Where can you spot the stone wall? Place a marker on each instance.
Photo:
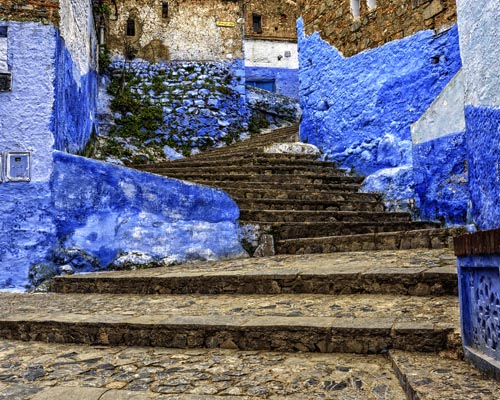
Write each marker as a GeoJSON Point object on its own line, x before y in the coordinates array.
{"type": "Point", "coordinates": [278, 19]}
{"type": "Point", "coordinates": [386, 21]}
{"type": "Point", "coordinates": [183, 30]}
{"type": "Point", "coordinates": [45, 11]}
{"type": "Point", "coordinates": [358, 110]}
{"type": "Point", "coordinates": [184, 106]}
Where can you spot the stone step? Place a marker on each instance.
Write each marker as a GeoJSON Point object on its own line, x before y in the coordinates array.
{"type": "Point", "coordinates": [282, 194]}
{"type": "Point", "coordinates": [320, 216]}
{"type": "Point", "coordinates": [345, 188]}
{"type": "Point", "coordinates": [367, 324]}
{"type": "Point", "coordinates": [294, 230]}
{"type": "Point", "coordinates": [248, 170]}
{"type": "Point", "coordinates": [238, 154]}
{"type": "Point", "coordinates": [271, 160]}
{"type": "Point", "coordinates": [275, 178]}
{"type": "Point", "coordinates": [425, 238]}
{"type": "Point", "coordinates": [51, 371]}
{"type": "Point", "coordinates": [258, 141]}
{"type": "Point", "coordinates": [414, 272]}
{"type": "Point", "coordinates": [308, 205]}
{"type": "Point", "coordinates": [436, 377]}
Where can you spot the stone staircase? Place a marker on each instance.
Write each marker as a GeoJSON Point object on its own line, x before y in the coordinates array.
{"type": "Point", "coordinates": [364, 325]}
{"type": "Point", "coordinates": [308, 206]}
{"type": "Point", "coordinates": [371, 324]}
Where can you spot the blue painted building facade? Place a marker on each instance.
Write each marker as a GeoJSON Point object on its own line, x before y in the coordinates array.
{"type": "Point", "coordinates": [359, 110]}
{"type": "Point", "coordinates": [76, 211]}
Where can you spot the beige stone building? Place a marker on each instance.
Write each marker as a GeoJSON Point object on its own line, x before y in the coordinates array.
{"type": "Point", "coordinates": [181, 30]}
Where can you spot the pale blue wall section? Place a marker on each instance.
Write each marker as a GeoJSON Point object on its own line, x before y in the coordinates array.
{"type": "Point", "coordinates": [483, 154]}
{"type": "Point", "coordinates": [27, 228]}
{"type": "Point", "coordinates": [76, 102]}
{"type": "Point", "coordinates": [440, 175]}
{"type": "Point", "coordinates": [286, 80]}
{"type": "Point", "coordinates": [358, 110]}
{"type": "Point", "coordinates": [106, 210]}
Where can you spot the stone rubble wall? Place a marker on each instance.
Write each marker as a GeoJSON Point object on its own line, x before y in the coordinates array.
{"type": "Point", "coordinates": [387, 21]}
{"type": "Point", "coordinates": [197, 104]}
{"type": "Point", "coordinates": [45, 11]}
{"type": "Point", "coordinates": [278, 19]}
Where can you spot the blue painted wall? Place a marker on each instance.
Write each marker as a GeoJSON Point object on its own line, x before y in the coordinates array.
{"type": "Point", "coordinates": [286, 80]}
{"type": "Point", "coordinates": [483, 154]}
{"type": "Point", "coordinates": [76, 102]}
{"type": "Point", "coordinates": [107, 210]}
{"type": "Point", "coordinates": [358, 110]}
{"type": "Point", "coordinates": [26, 225]}
{"type": "Point", "coordinates": [440, 176]}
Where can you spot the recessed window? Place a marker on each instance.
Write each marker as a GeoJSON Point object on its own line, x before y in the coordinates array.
{"type": "Point", "coordinates": [355, 8]}
{"type": "Point", "coordinates": [257, 23]}
{"type": "Point", "coordinates": [164, 10]}
{"type": "Point", "coordinates": [130, 27]}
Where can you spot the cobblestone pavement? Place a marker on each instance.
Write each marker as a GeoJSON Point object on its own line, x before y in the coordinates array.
{"type": "Point", "coordinates": [43, 371]}
{"type": "Point", "coordinates": [355, 261]}
{"type": "Point", "coordinates": [439, 310]}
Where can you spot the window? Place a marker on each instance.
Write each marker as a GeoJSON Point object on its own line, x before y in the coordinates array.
{"type": "Point", "coordinates": [130, 27]}
{"type": "Point", "coordinates": [164, 10]}
{"type": "Point", "coordinates": [257, 23]}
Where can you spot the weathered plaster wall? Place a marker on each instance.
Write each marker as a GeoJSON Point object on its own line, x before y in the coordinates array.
{"type": "Point", "coordinates": [440, 175]}
{"type": "Point", "coordinates": [358, 110]}
{"type": "Point", "coordinates": [26, 112]}
{"type": "Point", "coordinates": [76, 82]}
{"type": "Point", "coordinates": [278, 19]}
{"type": "Point", "coordinates": [108, 211]}
{"type": "Point", "coordinates": [478, 25]}
{"type": "Point", "coordinates": [273, 60]}
{"type": "Point", "coordinates": [352, 32]}
{"type": "Point", "coordinates": [189, 33]}
{"type": "Point", "coordinates": [440, 157]}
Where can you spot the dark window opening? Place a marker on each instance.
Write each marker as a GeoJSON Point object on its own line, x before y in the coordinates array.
{"type": "Point", "coordinates": [257, 23]}
{"type": "Point", "coordinates": [266, 84]}
{"type": "Point", "coordinates": [164, 10]}
{"type": "Point", "coordinates": [130, 27]}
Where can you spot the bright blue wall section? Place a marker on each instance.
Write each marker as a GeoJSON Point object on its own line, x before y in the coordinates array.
{"type": "Point", "coordinates": [75, 105]}
{"type": "Point", "coordinates": [358, 110]}
{"type": "Point", "coordinates": [27, 230]}
{"type": "Point", "coordinates": [440, 176]}
{"type": "Point", "coordinates": [483, 154]}
{"type": "Point", "coordinates": [287, 80]}
{"type": "Point", "coordinates": [106, 210]}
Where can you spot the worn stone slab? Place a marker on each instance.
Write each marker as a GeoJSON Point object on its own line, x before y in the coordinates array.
{"type": "Point", "coordinates": [431, 377]}
{"type": "Point", "coordinates": [402, 272]}
{"type": "Point", "coordinates": [194, 374]}
{"type": "Point", "coordinates": [284, 322]}
{"type": "Point", "coordinates": [425, 238]}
